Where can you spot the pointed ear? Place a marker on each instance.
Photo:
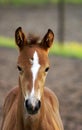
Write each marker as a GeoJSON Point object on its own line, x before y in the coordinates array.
{"type": "Point", "coordinates": [47, 40]}
{"type": "Point", "coordinates": [20, 37]}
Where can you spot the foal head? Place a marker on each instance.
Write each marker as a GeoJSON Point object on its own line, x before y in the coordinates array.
{"type": "Point", "coordinates": [33, 65]}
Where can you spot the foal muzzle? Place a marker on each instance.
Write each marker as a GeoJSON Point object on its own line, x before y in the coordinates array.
{"type": "Point", "coordinates": [32, 105]}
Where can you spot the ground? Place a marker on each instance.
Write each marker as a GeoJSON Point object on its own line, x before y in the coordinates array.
{"type": "Point", "coordinates": [65, 74]}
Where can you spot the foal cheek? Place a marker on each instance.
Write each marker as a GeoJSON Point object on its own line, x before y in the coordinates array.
{"type": "Point", "coordinates": [24, 84]}
{"type": "Point", "coordinates": [41, 83]}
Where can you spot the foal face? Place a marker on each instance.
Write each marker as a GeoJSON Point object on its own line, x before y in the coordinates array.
{"type": "Point", "coordinates": [33, 65]}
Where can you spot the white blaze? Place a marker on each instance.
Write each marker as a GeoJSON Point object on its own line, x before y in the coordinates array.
{"type": "Point", "coordinates": [35, 67]}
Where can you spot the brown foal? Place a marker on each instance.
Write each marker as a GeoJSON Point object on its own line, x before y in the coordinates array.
{"type": "Point", "coordinates": [30, 105]}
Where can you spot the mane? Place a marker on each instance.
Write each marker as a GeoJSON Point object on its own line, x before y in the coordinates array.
{"type": "Point", "coordinates": [33, 39]}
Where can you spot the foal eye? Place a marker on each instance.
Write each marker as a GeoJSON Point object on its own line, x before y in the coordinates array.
{"type": "Point", "coordinates": [46, 70]}
{"type": "Point", "coordinates": [19, 68]}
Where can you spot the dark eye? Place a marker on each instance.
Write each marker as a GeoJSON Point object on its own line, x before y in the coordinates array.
{"type": "Point", "coordinates": [46, 70]}
{"type": "Point", "coordinates": [19, 68]}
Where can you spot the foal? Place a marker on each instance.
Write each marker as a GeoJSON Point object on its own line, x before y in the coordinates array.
{"type": "Point", "coordinates": [30, 105]}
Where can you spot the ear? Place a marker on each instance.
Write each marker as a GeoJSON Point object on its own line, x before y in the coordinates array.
{"type": "Point", "coordinates": [20, 37]}
{"type": "Point", "coordinates": [47, 40]}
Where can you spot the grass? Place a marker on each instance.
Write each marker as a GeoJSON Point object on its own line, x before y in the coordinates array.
{"type": "Point", "coordinates": [7, 42]}
{"type": "Point", "coordinates": [71, 50]}
{"type": "Point", "coordinates": [37, 2]}
{"type": "Point", "coordinates": [23, 2]}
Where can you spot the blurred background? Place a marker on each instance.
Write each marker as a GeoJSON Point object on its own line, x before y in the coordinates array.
{"type": "Point", "coordinates": [64, 17]}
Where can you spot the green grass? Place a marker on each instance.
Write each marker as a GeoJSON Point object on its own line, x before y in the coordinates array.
{"type": "Point", "coordinates": [37, 2]}
{"type": "Point", "coordinates": [23, 2]}
{"type": "Point", "coordinates": [7, 42]}
{"type": "Point", "coordinates": [72, 49]}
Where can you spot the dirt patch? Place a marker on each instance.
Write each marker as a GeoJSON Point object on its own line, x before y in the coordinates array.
{"type": "Point", "coordinates": [64, 78]}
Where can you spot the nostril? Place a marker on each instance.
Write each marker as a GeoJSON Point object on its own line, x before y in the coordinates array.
{"type": "Point", "coordinates": [28, 105]}
{"type": "Point", "coordinates": [32, 107]}
{"type": "Point", "coordinates": [39, 103]}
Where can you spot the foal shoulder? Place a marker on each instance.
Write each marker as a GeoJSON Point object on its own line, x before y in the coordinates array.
{"type": "Point", "coordinates": [52, 110]}
{"type": "Point", "coordinates": [51, 97]}
{"type": "Point", "coordinates": [9, 100]}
